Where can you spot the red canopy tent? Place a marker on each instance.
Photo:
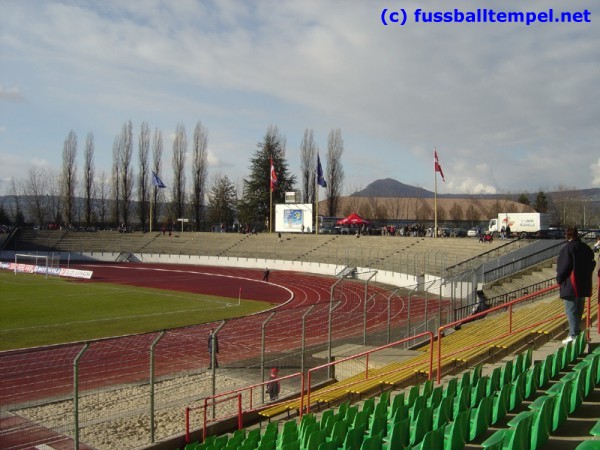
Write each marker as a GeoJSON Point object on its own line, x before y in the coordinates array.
{"type": "Point", "coordinates": [353, 219]}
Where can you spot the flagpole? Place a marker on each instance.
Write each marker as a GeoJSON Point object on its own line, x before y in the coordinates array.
{"type": "Point", "coordinates": [317, 205]}
{"type": "Point", "coordinates": [434, 200]}
{"type": "Point", "coordinates": [270, 209]}
{"type": "Point", "coordinates": [151, 205]}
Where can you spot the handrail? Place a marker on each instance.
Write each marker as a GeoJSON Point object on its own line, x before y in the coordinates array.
{"type": "Point", "coordinates": [503, 298]}
{"type": "Point", "coordinates": [498, 272]}
{"type": "Point", "coordinates": [307, 388]}
{"type": "Point", "coordinates": [510, 324]}
{"type": "Point", "coordinates": [475, 259]}
{"type": "Point", "coordinates": [232, 394]}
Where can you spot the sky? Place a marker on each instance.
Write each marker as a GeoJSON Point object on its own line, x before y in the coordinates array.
{"type": "Point", "coordinates": [509, 107]}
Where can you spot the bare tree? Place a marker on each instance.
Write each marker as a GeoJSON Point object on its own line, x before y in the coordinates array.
{"type": "Point", "coordinates": [335, 170]}
{"type": "Point", "coordinates": [126, 172]}
{"type": "Point", "coordinates": [144, 176]}
{"type": "Point", "coordinates": [179, 152]}
{"type": "Point", "coordinates": [157, 149]}
{"type": "Point", "coordinates": [69, 175]}
{"type": "Point", "coordinates": [15, 206]}
{"type": "Point", "coordinates": [102, 190]}
{"type": "Point", "coordinates": [456, 212]}
{"type": "Point", "coordinates": [199, 172]}
{"type": "Point", "coordinates": [36, 193]}
{"type": "Point", "coordinates": [115, 181]}
{"type": "Point", "coordinates": [308, 166]}
{"type": "Point", "coordinates": [54, 198]}
{"type": "Point", "coordinates": [88, 177]}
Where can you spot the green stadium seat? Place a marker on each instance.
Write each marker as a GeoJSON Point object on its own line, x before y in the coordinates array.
{"type": "Point", "coordinates": [516, 438]}
{"type": "Point", "coordinates": [532, 380]}
{"type": "Point", "coordinates": [461, 400]}
{"type": "Point", "coordinates": [442, 414]}
{"type": "Point", "coordinates": [399, 437]}
{"type": "Point", "coordinates": [413, 393]}
{"type": "Point", "coordinates": [594, 359]}
{"type": "Point", "coordinates": [374, 442]}
{"type": "Point", "coordinates": [479, 391]}
{"type": "Point", "coordinates": [421, 425]}
{"type": "Point", "coordinates": [378, 426]}
{"type": "Point", "coordinates": [426, 388]}
{"type": "Point", "coordinates": [396, 402]}
{"type": "Point", "coordinates": [517, 366]}
{"type": "Point", "coordinates": [328, 445]}
{"type": "Point", "coordinates": [480, 418]}
{"type": "Point", "coordinates": [506, 375]}
{"type": "Point", "coordinates": [338, 433]}
{"type": "Point", "coordinates": [457, 432]}
{"type": "Point", "coordinates": [436, 396]}
{"type": "Point", "coordinates": [451, 387]}
{"type": "Point", "coordinates": [595, 430]}
{"type": "Point", "coordinates": [315, 439]}
{"type": "Point", "coordinates": [501, 404]}
{"type": "Point", "coordinates": [494, 381]}
{"type": "Point", "coordinates": [517, 392]}
{"type": "Point", "coordinates": [579, 378]}
{"type": "Point", "coordinates": [588, 445]}
{"type": "Point", "coordinates": [541, 425]}
{"type": "Point", "coordinates": [562, 391]}
{"type": "Point", "coordinates": [545, 371]}
{"type": "Point", "coordinates": [590, 376]}
{"type": "Point", "coordinates": [433, 440]}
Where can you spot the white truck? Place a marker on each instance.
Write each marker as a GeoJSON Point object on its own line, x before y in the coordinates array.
{"type": "Point", "coordinates": [521, 224]}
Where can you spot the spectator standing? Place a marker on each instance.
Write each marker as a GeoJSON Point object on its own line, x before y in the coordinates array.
{"type": "Point", "coordinates": [273, 387]}
{"type": "Point", "coordinates": [574, 269]}
{"type": "Point", "coordinates": [266, 274]}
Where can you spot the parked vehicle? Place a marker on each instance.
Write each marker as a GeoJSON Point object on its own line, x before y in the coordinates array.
{"type": "Point", "coordinates": [521, 224]}
{"type": "Point", "coordinates": [472, 232]}
{"type": "Point", "coordinates": [458, 232]}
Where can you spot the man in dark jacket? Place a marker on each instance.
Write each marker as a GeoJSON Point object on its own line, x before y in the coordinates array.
{"type": "Point", "coordinates": [574, 270]}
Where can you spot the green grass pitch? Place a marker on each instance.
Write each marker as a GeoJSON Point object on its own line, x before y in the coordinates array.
{"type": "Point", "coordinates": [35, 310]}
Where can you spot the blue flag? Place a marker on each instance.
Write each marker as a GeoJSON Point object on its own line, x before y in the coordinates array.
{"type": "Point", "coordinates": [157, 182]}
{"type": "Point", "coordinates": [320, 179]}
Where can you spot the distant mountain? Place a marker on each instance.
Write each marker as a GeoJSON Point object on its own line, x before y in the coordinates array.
{"type": "Point", "coordinates": [393, 188]}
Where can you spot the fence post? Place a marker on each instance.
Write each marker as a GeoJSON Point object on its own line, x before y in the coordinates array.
{"type": "Point", "coordinates": [389, 315]}
{"type": "Point", "coordinates": [410, 294]}
{"type": "Point", "coordinates": [303, 338]}
{"type": "Point", "coordinates": [262, 353]}
{"type": "Point", "coordinates": [213, 365]}
{"type": "Point", "coordinates": [365, 307]}
{"type": "Point", "coordinates": [152, 347]}
{"type": "Point", "coordinates": [76, 393]}
{"type": "Point", "coordinates": [329, 326]}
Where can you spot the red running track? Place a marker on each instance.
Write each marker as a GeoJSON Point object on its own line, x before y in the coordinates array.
{"type": "Point", "coordinates": [39, 374]}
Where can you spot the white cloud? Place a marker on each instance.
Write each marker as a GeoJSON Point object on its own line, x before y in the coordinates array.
{"type": "Point", "coordinates": [595, 169]}
{"type": "Point", "coordinates": [509, 107]}
{"type": "Point", "coordinates": [12, 94]}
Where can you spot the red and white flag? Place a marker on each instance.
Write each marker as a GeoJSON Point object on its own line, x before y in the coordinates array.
{"type": "Point", "coordinates": [438, 167]}
{"type": "Point", "coordinates": [273, 176]}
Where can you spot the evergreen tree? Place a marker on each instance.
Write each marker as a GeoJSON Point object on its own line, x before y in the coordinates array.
{"type": "Point", "coordinates": [4, 219]}
{"type": "Point", "coordinates": [524, 199]}
{"type": "Point", "coordinates": [254, 206]}
{"type": "Point", "coordinates": [541, 203]}
{"type": "Point", "coordinates": [222, 199]}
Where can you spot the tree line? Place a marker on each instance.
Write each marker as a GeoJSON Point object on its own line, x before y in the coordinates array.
{"type": "Point", "coordinates": [129, 196]}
